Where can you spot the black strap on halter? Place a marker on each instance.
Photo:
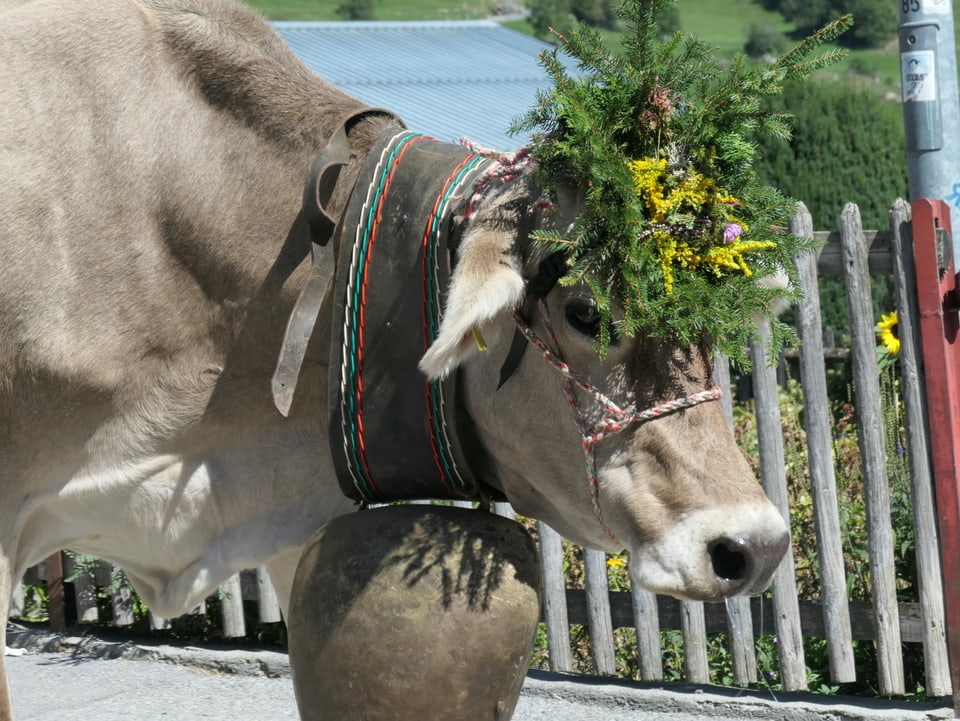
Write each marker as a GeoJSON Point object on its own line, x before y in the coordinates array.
{"type": "Point", "coordinates": [394, 435]}
{"type": "Point", "coordinates": [322, 219]}
{"type": "Point", "coordinates": [550, 271]}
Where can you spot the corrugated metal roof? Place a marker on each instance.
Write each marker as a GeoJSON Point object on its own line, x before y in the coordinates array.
{"type": "Point", "coordinates": [444, 78]}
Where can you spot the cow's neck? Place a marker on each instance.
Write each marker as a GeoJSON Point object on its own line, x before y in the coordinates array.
{"type": "Point", "coordinates": [396, 436]}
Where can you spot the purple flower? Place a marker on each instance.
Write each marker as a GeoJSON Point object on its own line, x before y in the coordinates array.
{"type": "Point", "coordinates": [732, 232]}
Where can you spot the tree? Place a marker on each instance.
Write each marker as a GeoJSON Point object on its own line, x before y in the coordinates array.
{"type": "Point", "coordinates": [764, 40]}
{"type": "Point", "coordinates": [355, 10]}
{"type": "Point", "coordinates": [876, 23]}
{"type": "Point", "coordinates": [563, 15]}
{"type": "Point", "coordinates": [847, 146]}
{"type": "Point", "coordinates": [808, 14]}
{"type": "Point", "coordinates": [550, 14]}
{"type": "Point", "coordinates": [596, 13]}
{"type": "Point", "coordinates": [875, 20]}
{"type": "Point", "coordinates": [668, 21]}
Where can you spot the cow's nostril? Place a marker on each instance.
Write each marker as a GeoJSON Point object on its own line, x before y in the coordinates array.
{"type": "Point", "coordinates": [729, 559]}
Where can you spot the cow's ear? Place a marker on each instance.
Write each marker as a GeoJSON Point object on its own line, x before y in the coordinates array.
{"type": "Point", "coordinates": [486, 283]}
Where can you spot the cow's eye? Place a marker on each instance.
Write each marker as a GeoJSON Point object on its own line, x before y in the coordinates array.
{"type": "Point", "coordinates": [584, 317]}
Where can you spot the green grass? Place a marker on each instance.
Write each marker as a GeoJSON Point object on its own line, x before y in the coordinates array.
{"type": "Point", "coordinates": [724, 24]}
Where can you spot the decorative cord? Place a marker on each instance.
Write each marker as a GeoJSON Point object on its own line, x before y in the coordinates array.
{"type": "Point", "coordinates": [615, 419]}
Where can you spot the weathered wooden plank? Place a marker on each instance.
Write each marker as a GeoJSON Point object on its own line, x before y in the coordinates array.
{"type": "Point", "coordinates": [786, 614]}
{"type": "Point", "coordinates": [830, 255]}
{"type": "Point", "coordinates": [823, 483]}
{"type": "Point", "coordinates": [743, 654]}
{"type": "Point", "coordinates": [669, 617]}
{"type": "Point", "coordinates": [742, 647]}
{"type": "Point", "coordinates": [268, 608]}
{"type": "Point", "coordinates": [646, 622]}
{"type": "Point", "coordinates": [122, 601]}
{"type": "Point", "coordinates": [866, 385]}
{"type": "Point", "coordinates": [696, 668]}
{"type": "Point", "coordinates": [84, 592]}
{"type": "Point", "coordinates": [504, 509]}
{"type": "Point", "coordinates": [56, 606]}
{"type": "Point", "coordinates": [926, 533]}
{"type": "Point", "coordinates": [721, 377]}
{"type": "Point", "coordinates": [102, 574]}
{"type": "Point", "coordinates": [555, 599]}
{"type": "Point", "coordinates": [599, 625]}
{"type": "Point", "coordinates": [231, 608]}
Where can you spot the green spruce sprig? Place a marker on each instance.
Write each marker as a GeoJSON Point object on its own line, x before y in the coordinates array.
{"type": "Point", "coordinates": [659, 139]}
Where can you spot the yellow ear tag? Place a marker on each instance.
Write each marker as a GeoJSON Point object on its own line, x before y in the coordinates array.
{"type": "Point", "coordinates": [478, 339]}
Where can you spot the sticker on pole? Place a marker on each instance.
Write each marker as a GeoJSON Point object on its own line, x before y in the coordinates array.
{"type": "Point", "coordinates": [936, 7]}
{"type": "Point", "coordinates": [919, 76]}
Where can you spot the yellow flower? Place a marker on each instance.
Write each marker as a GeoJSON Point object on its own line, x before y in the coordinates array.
{"type": "Point", "coordinates": [731, 255]}
{"type": "Point", "coordinates": [618, 562]}
{"type": "Point", "coordinates": [673, 254]}
{"type": "Point", "coordinates": [692, 195]}
{"type": "Point", "coordinates": [693, 192]}
{"type": "Point", "coordinates": [887, 331]}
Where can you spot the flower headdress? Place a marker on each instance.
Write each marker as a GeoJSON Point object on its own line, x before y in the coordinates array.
{"type": "Point", "coordinates": [658, 139]}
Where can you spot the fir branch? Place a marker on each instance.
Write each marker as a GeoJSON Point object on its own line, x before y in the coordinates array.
{"type": "Point", "coordinates": [661, 140]}
{"type": "Point", "coordinates": [824, 35]}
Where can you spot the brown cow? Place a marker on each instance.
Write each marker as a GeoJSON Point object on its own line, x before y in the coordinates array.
{"type": "Point", "coordinates": [153, 155]}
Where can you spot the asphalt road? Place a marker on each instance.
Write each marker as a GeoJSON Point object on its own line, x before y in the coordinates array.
{"type": "Point", "coordinates": [90, 680]}
{"type": "Point", "coordinates": [64, 687]}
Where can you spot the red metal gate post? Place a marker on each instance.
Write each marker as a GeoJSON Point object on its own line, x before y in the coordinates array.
{"type": "Point", "coordinates": [940, 340]}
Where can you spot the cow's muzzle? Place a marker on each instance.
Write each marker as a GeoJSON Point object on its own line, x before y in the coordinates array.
{"type": "Point", "coordinates": [743, 566]}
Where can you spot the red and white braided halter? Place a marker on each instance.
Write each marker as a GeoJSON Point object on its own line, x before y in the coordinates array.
{"type": "Point", "coordinates": [615, 418]}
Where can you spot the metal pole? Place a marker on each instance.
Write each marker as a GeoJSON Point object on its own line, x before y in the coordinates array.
{"type": "Point", "coordinates": [931, 109]}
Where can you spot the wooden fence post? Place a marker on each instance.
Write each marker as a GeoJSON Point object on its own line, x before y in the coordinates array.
{"type": "Point", "coordinates": [927, 542]}
{"type": "Point", "coordinates": [599, 623]}
{"type": "Point", "coordinates": [554, 599]}
{"type": "Point", "coordinates": [231, 607]}
{"type": "Point", "coordinates": [55, 599]}
{"type": "Point", "coordinates": [696, 667]}
{"type": "Point", "coordinates": [646, 621]}
{"type": "Point", "coordinates": [84, 592]}
{"type": "Point", "coordinates": [866, 383]}
{"type": "Point", "coordinates": [122, 601]}
{"type": "Point", "coordinates": [793, 672]}
{"type": "Point", "coordinates": [743, 652]}
{"type": "Point", "coordinates": [268, 608]}
{"type": "Point", "coordinates": [823, 482]}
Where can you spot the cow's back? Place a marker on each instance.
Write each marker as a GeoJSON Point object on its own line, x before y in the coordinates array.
{"type": "Point", "coordinates": [152, 156]}
{"type": "Point", "coordinates": [120, 156]}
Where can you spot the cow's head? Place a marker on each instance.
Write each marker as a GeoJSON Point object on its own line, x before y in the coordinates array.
{"type": "Point", "coordinates": [675, 490]}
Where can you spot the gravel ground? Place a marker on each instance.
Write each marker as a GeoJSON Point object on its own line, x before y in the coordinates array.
{"type": "Point", "coordinates": [61, 678]}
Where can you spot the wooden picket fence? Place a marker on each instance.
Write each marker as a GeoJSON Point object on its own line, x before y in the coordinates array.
{"type": "Point", "coordinates": [856, 255]}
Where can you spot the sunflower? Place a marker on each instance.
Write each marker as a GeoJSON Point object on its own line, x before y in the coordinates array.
{"type": "Point", "coordinates": [887, 332]}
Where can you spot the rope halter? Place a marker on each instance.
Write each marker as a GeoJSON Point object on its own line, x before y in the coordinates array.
{"type": "Point", "coordinates": [615, 418]}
